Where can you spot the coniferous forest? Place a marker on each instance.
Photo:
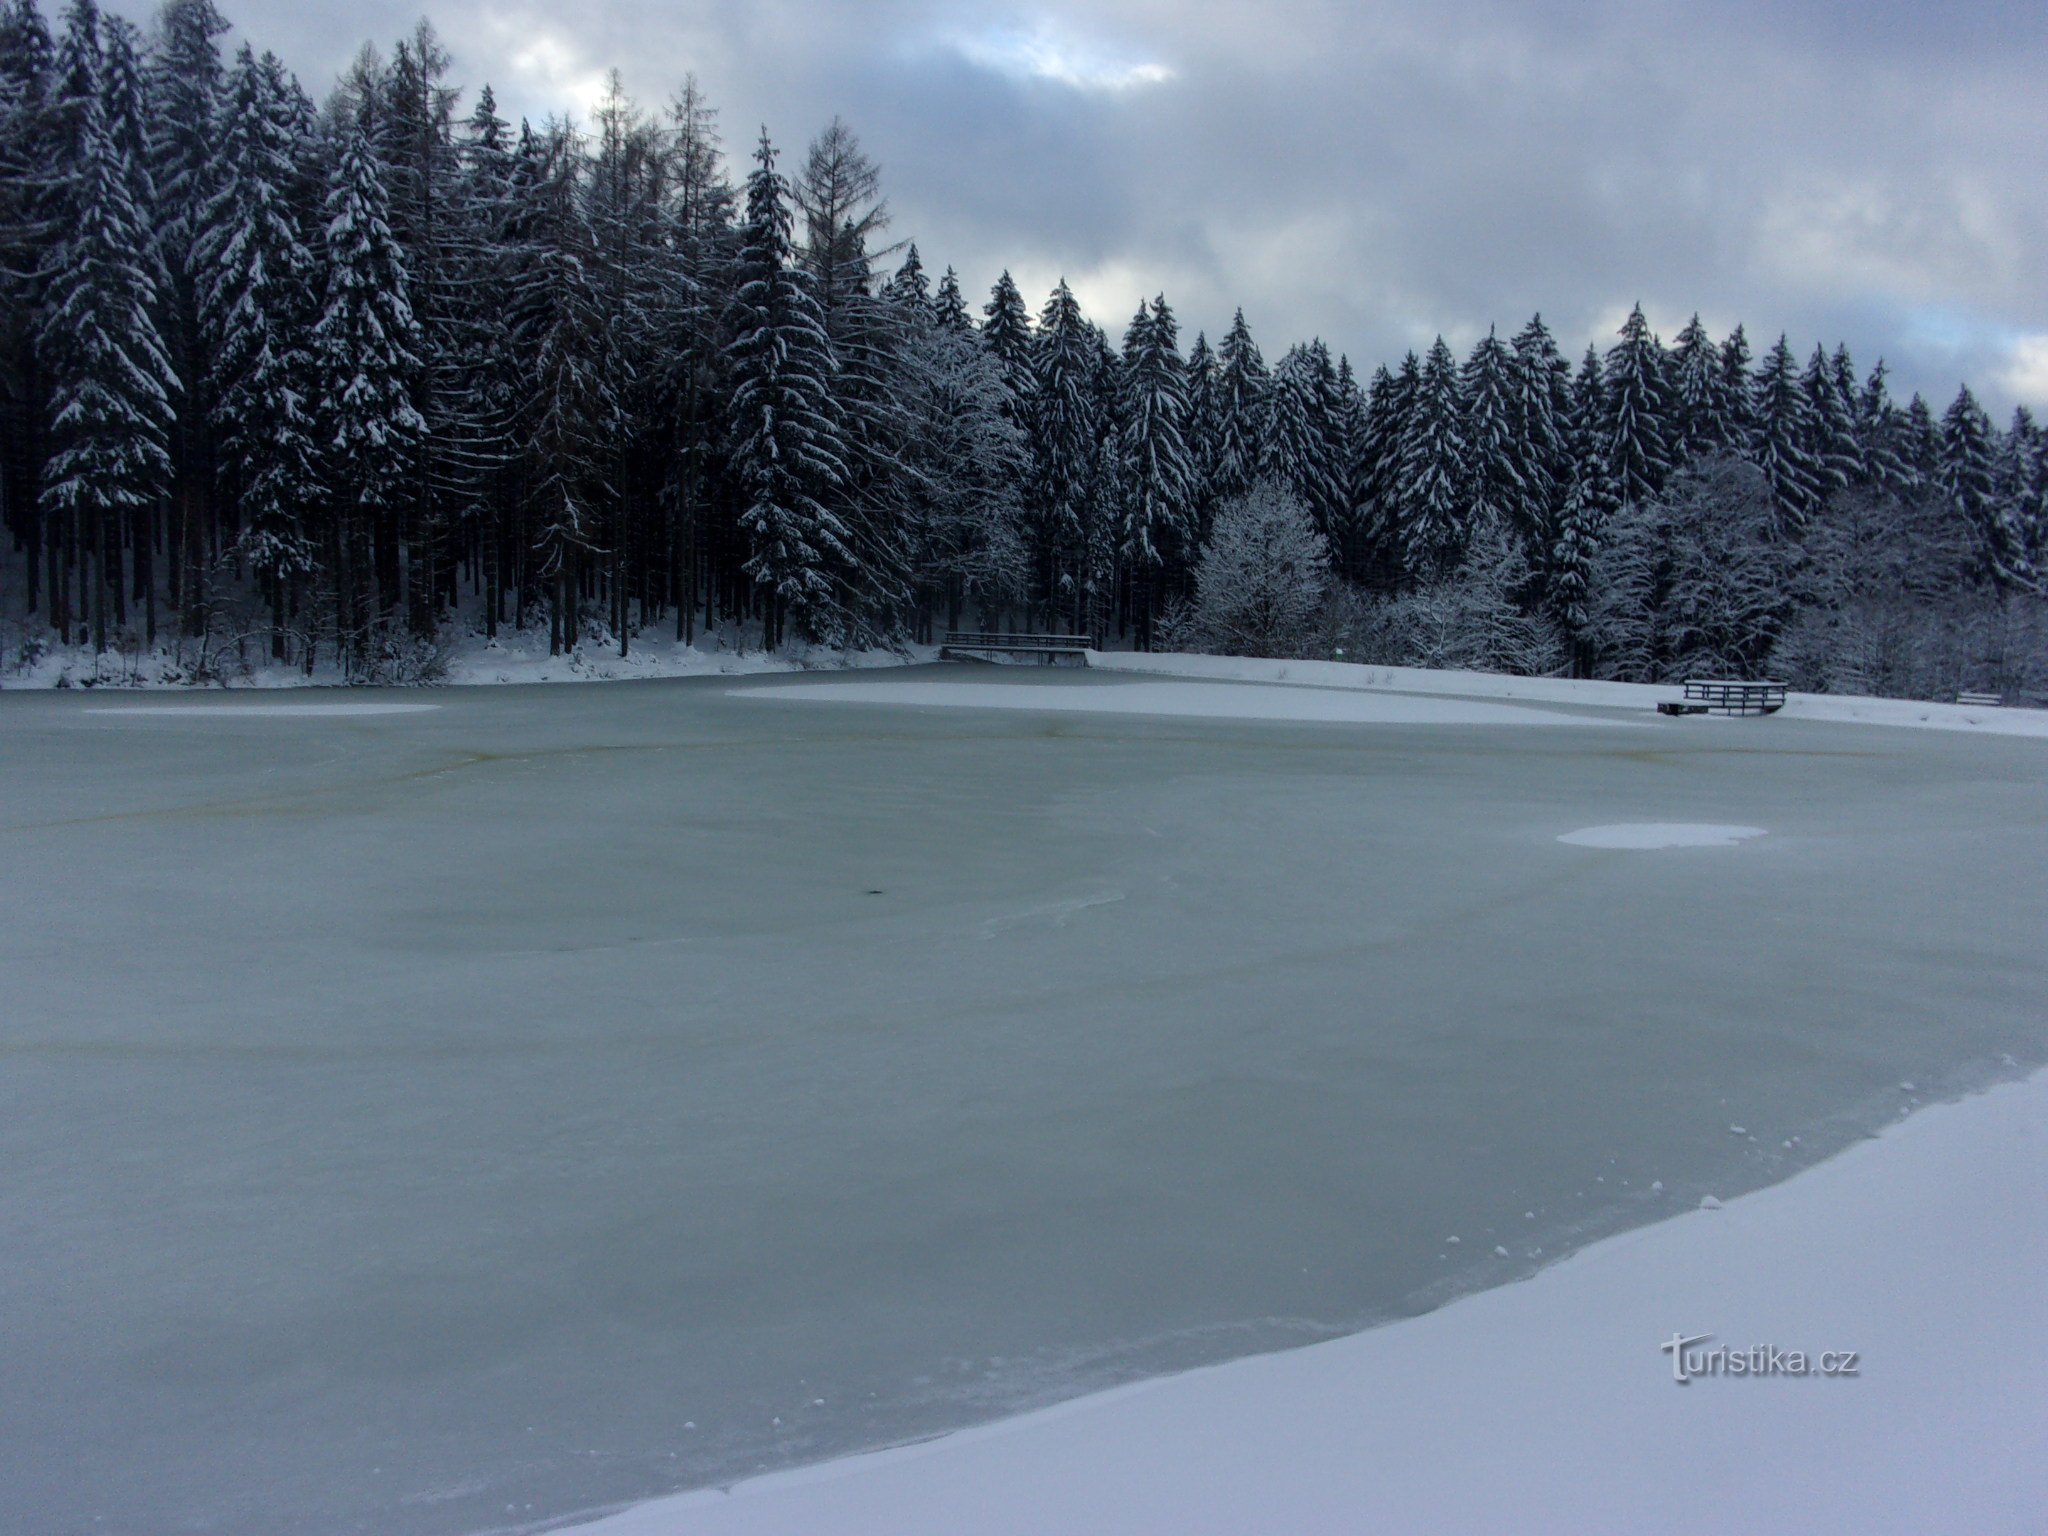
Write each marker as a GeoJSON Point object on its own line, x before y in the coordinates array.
{"type": "Point", "coordinates": [327, 384]}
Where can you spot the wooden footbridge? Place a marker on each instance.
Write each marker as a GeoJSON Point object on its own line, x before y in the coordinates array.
{"type": "Point", "coordinates": [993, 645]}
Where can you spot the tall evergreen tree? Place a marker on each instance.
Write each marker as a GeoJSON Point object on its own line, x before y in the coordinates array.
{"type": "Point", "coordinates": [1241, 405]}
{"type": "Point", "coordinates": [256, 296]}
{"type": "Point", "coordinates": [1158, 520]}
{"type": "Point", "coordinates": [366, 350]}
{"type": "Point", "coordinates": [1784, 429]}
{"type": "Point", "coordinates": [112, 387]}
{"type": "Point", "coordinates": [1638, 440]}
{"type": "Point", "coordinates": [1969, 474]}
{"type": "Point", "coordinates": [1432, 526]}
{"type": "Point", "coordinates": [1496, 484]}
{"type": "Point", "coordinates": [787, 447]}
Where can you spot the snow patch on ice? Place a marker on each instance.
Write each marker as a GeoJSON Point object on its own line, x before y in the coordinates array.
{"type": "Point", "coordinates": [1660, 834]}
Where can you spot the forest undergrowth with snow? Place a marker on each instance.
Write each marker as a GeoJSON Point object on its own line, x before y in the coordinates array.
{"type": "Point", "coordinates": [386, 389]}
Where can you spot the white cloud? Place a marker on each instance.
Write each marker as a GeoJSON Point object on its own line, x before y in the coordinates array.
{"type": "Point", "coordinates": [1047, 52]}
{"type": "Point", "coordinates": [2026, 369]}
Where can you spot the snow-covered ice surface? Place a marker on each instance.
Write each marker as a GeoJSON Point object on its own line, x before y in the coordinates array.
{"type": "Point", "coordinates": [1660, 834]}
{"type": "Point", "coordinates": [1549, 1407]}
{"type": "Point", "coordinates": [1214, 701]}
{"type": "Point", "coordinates": [438, 1122]}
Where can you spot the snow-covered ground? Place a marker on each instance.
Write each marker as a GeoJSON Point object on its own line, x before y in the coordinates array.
{"type": "Point", "coordinates": [1552, 1405]}
{"type": "Point", "coordinates": [515, 656]}
{"type": "Point", "coordinates": [1561, 690]}
{"type": "Point", "coordinates": [442, 1118]}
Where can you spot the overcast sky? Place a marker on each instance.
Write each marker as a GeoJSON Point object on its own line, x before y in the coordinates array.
{"type": "Point", "coordinates": [1377, 173]}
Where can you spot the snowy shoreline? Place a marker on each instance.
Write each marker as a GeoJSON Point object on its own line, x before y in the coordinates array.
{"type": "Point", "coordinates": [523, 659]}
{"type": "Point", "coordinates": [1548, 1404]}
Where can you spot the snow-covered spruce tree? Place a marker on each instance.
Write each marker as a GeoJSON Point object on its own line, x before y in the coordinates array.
{"type": "Point", "coordinates": [1376, 470]}
{"type": "Point", "coordinates": [1837, 459]}
{"type": "Point", "coordinates": [2023, 484]}
{"type": "Point", "coordinates": [568, 419]}
{"type": "Point", "coordinates": [1006, 331]}
{"type": "Point", "coordinates": [1541, 413]}
{"type": "Point", "coordinates": [1299, 448]}
{"type": "Point", "coordinates": [365, 349]}
{"type": "Point", "coordinates": [1784, 429]}
{"type": "Point", "coordinates": [1431, 516]}
{"type": "Point", "coordinates": [1592, 502]}
{"type": "Point", "coordinates": [1969, 473]}
{"type": "Point", "coordinates": [1201, 432]}
{"type": "Point", "coordinates": [254, 276]}
{"type": "Point", "coordinates": [1156, 528]}
{"type": "Point", "coordinates": [1347, 433]}
{"type": "Point", "coordinates": [1065, 421]}
{"type": "Point", "coordinates": [185, 78]}
{"type": "Point", "coordinates": [1495, 480]}
{"type": "Point", "coordinates": [844, 216]}
{"type": "Point", "coordinates": [910, 289]}
{"type": "Point", "coordinates": [703, 242]}
{"type": "Point", "coordinates": [1699, 404]}
{"type": "Point", "coordinates": [1638, 431]}
{"type": "Point", "coordinates": [949, 307]}
{"type": "Point", "coordinates": [27, 226]}
{"type": "Point", "coordinates": [786, 445]}
{"type": "Point", "coordinates": [1242, 405]}
{"type": "Point", "coordinates": [1260, 579]}
{"type": "Point", "coordinates": [112, 388]}
{"type": "Point", "coordinates": [1880, 433]}
{"type": "Point", "coordinates": [1738, 392]}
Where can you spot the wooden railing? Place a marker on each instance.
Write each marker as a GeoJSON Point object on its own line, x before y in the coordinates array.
{"type": "Point", "coordinates": [993, 640]}
{"type": "Point", "coordinates": [1704, 695]}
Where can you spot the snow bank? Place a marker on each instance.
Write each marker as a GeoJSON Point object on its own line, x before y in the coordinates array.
{"type": "Point", "coordinates": [1221, 701]}
{"type": "Point", "coordinates": [1660, 834]}
{"type": "Point", "coordinates": [1549, 1405]}
{"type": "Point", "coordinates": [1563, 690]}
{"type": "Point", "coordinates": [246, 710]}
{"type": "Point", "coordinates": [516, 656]}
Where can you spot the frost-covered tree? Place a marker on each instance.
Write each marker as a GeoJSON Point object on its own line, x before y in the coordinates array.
{"type": "Point", "coordinates": [787, 448]}
{"type": "Point", "coordinates": [1260, 579]}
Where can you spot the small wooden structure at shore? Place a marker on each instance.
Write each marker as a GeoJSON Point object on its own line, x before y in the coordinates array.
{"type": "Point", "coordinates": [1715, 696]}
{"type": "Point", "coordinates": [992, 645]}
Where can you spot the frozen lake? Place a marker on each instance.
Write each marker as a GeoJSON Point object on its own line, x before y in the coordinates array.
{"type": "Point", "coordinates": [431, 1120]}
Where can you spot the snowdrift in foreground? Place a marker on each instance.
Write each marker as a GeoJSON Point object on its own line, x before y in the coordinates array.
{"type": "Point", "coordinates": [1214, 701]}
{"type": "Point", "coordinates": [1562, 690]}
{"type": "Point", "coordinates": [1550, 1406]}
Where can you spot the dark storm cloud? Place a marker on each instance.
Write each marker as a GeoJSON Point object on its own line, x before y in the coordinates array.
{"type": "Point", "coordinates": [1379, 173]}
